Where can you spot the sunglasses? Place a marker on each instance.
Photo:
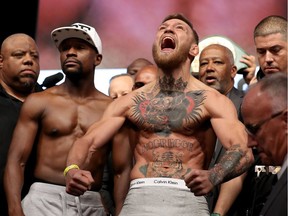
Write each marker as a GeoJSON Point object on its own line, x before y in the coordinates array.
{"type": "Point", "coordinates": [252, 129]}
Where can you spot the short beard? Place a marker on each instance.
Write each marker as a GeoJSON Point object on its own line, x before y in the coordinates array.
{"type": "Point", "coordinates": [169, 61]}
{"type": "Point", "coordinates": [73, 76]}
{"type": "Point", "coordinates": [26, 86]}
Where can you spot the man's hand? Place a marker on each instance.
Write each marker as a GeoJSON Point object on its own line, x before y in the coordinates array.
{"type": "Point", "coordinates": [78, 182]}
{"type": "Point", "coordinates": [198, 181]}
{"type": "Point", "coordinates": [249, 72]}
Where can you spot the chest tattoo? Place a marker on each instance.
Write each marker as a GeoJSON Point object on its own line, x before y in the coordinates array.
{"type": "Point", "coordinates": [168, 110]}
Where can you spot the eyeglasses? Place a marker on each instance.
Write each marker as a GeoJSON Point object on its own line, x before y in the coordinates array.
{"type": "Point", "coordinates": [252, 129]}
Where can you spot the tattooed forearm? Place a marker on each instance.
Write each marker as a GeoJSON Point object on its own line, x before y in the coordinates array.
{"type": "Point", "coordinates": [228, 166]}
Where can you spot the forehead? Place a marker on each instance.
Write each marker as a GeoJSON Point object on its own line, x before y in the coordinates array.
{"type": "Point", "coordinates": [214, 51]}
{"type": "Point", "coordinates": [270, 40]}
{"type": "Point", "coordinates": [20, 43]}
{"type": "Point", "coordinates": [121, 79]}
{"type": "Point", "coordinates": [175, 21]}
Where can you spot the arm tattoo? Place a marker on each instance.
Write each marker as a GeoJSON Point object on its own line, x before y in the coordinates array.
{"type": "Point", "coordinates": [228, 166]}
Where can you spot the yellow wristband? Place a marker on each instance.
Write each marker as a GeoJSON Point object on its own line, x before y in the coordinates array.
{"type": "Point", "coordinates": [72, 166]}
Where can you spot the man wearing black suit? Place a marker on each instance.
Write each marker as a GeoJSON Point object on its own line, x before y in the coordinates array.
{"type": "Point", "coordinates": [217, 69]}
{"type": "Point", "coordinates": [264, 112]}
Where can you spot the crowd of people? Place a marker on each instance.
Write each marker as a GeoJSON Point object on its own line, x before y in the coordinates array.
{"type": "Point", "coordinates": [165, 141]}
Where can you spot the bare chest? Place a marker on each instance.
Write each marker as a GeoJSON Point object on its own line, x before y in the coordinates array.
{"type": "Point", "coordinates": [174, 112]}
{"type": "Point", "coordinates": [70, 117]}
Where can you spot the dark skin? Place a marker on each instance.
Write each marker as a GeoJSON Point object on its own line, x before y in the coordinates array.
{"type": "Point", "coordinates": [59, 116]}
{"type": "Point", "coordinates": [174, 140]}
{"type": "Point", "coordinates": [19, 65]}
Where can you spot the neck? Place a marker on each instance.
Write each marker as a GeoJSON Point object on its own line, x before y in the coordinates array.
{"type": "Point", "coordinates": [174, 80]}
{"type": "Point", "coordinates": [20, 95]}
{"type": "Point", "coordinates": [169, 83]}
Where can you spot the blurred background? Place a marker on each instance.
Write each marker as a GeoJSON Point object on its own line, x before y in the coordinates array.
{"type": "Point", "coordinates": [127, 27]}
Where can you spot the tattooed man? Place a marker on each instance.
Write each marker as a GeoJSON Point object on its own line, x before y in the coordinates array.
{"type": "Point", "coordinates": [177, 119]}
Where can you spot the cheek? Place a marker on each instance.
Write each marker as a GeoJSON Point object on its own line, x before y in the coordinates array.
{"type": "Point", "coordinates": [201, 72]}
{"type": "Point", "coordinates": [267, 142]}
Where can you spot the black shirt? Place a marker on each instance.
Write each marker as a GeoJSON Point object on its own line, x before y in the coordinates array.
{"type": "Point", "coordinates": [9, 113]}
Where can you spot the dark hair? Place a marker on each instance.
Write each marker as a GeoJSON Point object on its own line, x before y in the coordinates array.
{"type": "Point", "coordinates": [184, 19]}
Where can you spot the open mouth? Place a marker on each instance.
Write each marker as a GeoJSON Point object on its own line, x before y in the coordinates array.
{"type": "Point", "coordinates": [210, 79]}
{"type": "Point", "coordinates": [167, 43]}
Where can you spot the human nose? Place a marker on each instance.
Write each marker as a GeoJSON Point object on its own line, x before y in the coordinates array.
{"type": "Point", "coordinates": [209, 67]}
{"type": "Point", "coordinates": [71, 51]}
{"type": "Point", "coordinates": [268, 57]}
{"type": "Point", "coordinates": [168, 29]}
{"type": "Point", "coordinates": [28, 59]}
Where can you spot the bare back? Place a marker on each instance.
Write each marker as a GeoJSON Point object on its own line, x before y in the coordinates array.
{"type": "Point", "coordinates": [63, 119]}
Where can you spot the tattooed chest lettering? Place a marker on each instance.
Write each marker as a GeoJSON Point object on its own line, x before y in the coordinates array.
{"type": "Point", "coordinates": [168, 111]}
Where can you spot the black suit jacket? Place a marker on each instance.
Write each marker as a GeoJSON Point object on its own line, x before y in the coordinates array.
{"type": "Point", "coordinates": [276, 204]}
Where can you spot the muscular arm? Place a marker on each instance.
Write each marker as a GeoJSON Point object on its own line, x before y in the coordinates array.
{"type": "Point", "coordinates": [229, 192]}
{"type": "Point", "coordinates": [231, 132]}
{"type": "Point", "coordinates": [122, 164]}
{"type": "Point", "coordinates": [19, 151]}
{"type": "Point", "coordinates": [84, 148]}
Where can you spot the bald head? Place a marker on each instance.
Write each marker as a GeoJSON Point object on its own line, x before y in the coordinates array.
{"type": "Point", "coordinates": [145, 75]}
{"type": "Point", "coordinates": [17, 38]}
{"type": "Point", "coordinates": [216, 68]}
{"type": "Point", "coordinates": [270, 91]}
{"type": "Point", "coordinates": [120, 85]}
{"type": "Point", "coordinates": [136, 65]}
{"type": "Point", "coordinates": [227, 52]}
{"type": "Point", "coordinates": [19, 65]}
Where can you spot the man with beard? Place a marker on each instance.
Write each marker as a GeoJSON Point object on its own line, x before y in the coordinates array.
{"type": "Point", "coordinates": [54, 119]}
{"type": "Point", "coordinates": [217, 69]}
{"type": "Point", "coordinates": [19, 71]}
{"type": "Point", "coordinates": [175, 141]}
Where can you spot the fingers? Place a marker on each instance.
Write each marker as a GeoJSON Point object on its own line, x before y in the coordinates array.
{"type": "Point", "coordinates": [250, 61]}
{"type": "Point", "coordinates": [78, 182]}
{"type": "Point", "coordinates": [198, 182]}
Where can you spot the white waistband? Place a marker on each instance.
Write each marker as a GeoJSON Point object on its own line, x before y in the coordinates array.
{"type": "Point", "coordinates": [168, 182]}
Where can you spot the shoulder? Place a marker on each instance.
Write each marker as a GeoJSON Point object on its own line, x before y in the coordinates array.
{"type": "Point", "coordinates": [236, 92]}
{"type": "Point", "coordinates": [102, 98]}
{"type": "Point", "coordinates": [219, 105]}
{"type": "Point", "coordinates": [121, 105]}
